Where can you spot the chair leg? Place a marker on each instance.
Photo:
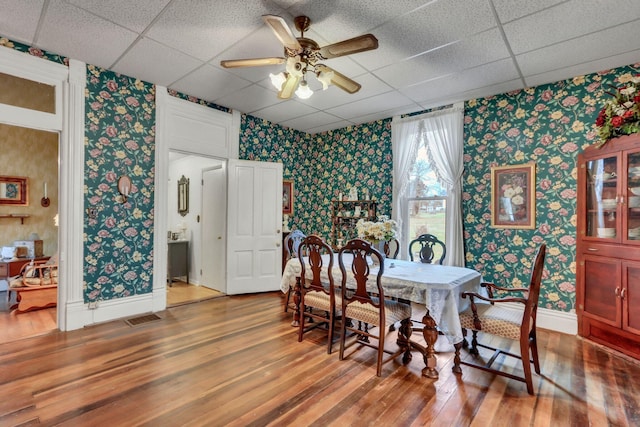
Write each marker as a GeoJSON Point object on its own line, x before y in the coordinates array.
{"type": "Point", "coordinates": [331, 320]}
{"type": "Point", "coordinates": [533, 343]}
{"type": "Point", "coordinates": [301, 327]}
{"type": "Point", "coordinates": [474, 343]}
{"type": "Point", "coordinates": [526, 364]}
{"type": "Point", "coordinates": [343, 334]}
{"type": "Point", "coordinates": [380, 349]}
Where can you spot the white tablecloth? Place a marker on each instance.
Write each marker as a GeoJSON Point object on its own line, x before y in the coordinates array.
{"type": "Point", "coordinates": [437, 287]}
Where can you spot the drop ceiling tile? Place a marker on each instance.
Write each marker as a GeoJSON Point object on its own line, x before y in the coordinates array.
{"type": "Point", "coordinates": [482, 48]}
{"type": "Point", "coordinates": [209, 83]}
{"type": "Point", "coordinates": [203, 29]}
{"type": "Point", "coordinates": [584, 68]}
{"type": "Point", "coordinates": [483, 92]}
{"type": "Point", "coordinates": [435, 25]}
{"type": "Point", "coordinates": [470, 79]}
{"type": "Point", "coordinates": [370, 105]}
{"type": "Point", "coordinates": [249, 99]}
{"type": "Point", "coordinates": [126, 13]}
{"type": "Point", "coordinates": [150, 61]}
{"type": "Point", "coordinates": [351, 18]}
{"type": "Point", "coordinates": [19, 19]}
{"type": "Point", "coordinates": [387, 114]}
{"type": "Point", "coordinates": [567, 20]}
{"type": "Point", "coordinates": [613, 41]}
{"type": "Point", "coordinates": [311, 121]}
{"type": "Point", "coordinates": [508, 10]}
{"type": "Point", "coordinates": [86, 41]}
{"type": "Point", "coordinates": [331, 126]}
{"type": "Point", "coordinates": [284, 110]}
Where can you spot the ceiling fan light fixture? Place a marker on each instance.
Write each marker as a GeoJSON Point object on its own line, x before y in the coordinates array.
{"type": "Point", "coordinates": [277, 80]}
{"type": "Point", "coordinates": [304, 91]}
{"type": "Point", "coordinates": [325, 78]}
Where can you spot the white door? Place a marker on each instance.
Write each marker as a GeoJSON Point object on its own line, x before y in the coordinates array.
{"type": "Point", "coordinates": [254, 237]}
{"type": "Point", "coordinates": [214, 217]}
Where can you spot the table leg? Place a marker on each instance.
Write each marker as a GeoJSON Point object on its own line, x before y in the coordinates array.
{"type": "Point", "coordinates": [296, 302]}
{"type": "Point", "coordinates": [404, 339]}
{"type": "Point", "coordinates": [430, 333]}
{"type": "Point", "coordinates": [456, 359]}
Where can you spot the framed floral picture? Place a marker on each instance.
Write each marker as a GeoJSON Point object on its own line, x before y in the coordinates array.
{"type": "Point", "coordinates": [513, 196]}
{"type": "Point", "coordinates": [287, 197]}
{"type": "Point", "coordinates": [13, 190]}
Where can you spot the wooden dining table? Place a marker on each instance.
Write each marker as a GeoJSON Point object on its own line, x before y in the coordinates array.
{"type": "Point", "coordinates": [438, 288]}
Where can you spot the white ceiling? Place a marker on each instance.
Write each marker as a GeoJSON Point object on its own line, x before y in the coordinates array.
{"type": "Point", "coordinates": [430, 53]}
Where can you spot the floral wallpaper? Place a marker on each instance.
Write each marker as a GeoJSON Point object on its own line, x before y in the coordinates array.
{"type": "Point", "coordinates": [196, 100]}
{"type": "Point", "coordinates": [34, 51]}
{"type": "Point", "coordinates": [119, 140]}
{"type": "Point", "coordinates": [548, 125]}
{"type": "Point", "coordinates": [324, 165]}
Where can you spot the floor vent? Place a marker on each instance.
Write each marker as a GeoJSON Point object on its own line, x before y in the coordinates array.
{"type": "Point", "coordinates": [137, 321]}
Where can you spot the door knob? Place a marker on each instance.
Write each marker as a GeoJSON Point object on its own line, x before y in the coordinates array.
{"type": "Point", "coordinates": [277, 244]}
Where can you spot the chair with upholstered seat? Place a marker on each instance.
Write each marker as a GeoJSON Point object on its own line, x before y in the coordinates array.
{"type": "Point", "coordinates": [366, 307]}
{"type": "Point", "coordinates": [497, 320]}
{"type": "Point", "coordinates": [391, 248]}
{"type": "Point", "coordinates": [427, 244]}
{"type": "Point", "coordinates": [318, 299]}
{"type": "Point", "coordinates": [291, 244]}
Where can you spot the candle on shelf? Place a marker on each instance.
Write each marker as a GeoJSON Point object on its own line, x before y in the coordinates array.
{"type": "Point", "coordinates": [45, 190]}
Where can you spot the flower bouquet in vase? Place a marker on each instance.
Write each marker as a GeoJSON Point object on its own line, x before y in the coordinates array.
{"type": "Point", "coordinates": [378, 232]}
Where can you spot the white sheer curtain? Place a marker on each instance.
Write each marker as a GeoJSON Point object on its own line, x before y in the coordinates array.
{"type": "Point", "coordinates": [445, 148]}
{"type": "Point", "coordinates": [442, 132]}
{"type": "Point", "coordinates": [406, 135]}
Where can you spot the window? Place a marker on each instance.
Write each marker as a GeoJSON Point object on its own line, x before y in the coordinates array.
{"type": "Point", "coordinates": [427, 204]}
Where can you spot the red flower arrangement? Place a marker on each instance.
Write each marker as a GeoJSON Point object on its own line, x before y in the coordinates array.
{"type": "Point", "coordinates": [620, 115]}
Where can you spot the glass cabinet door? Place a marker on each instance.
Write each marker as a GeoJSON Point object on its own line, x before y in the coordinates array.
{"type": "Point", "coordinates": [602, 198]}
{"type": "Point", "coordinates": [632, 223]}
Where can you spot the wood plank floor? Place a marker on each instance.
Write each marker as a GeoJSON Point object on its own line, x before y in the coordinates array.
{"type": "Point", "coordinates": [236, 361]}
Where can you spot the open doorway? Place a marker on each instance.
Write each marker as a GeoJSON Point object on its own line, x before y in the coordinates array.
{"type": "Point", "coordinates": [28, 228]}
{"type": "Point", "coordinates": [196, 213]}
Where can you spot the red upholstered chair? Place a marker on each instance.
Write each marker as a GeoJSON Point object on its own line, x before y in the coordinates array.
{"type": "Point", "coordinates": [508, 323]}
{"type": "Point", "coordinates": [367, 305]}
{"type": "Point", "coordinates": [318, 299]}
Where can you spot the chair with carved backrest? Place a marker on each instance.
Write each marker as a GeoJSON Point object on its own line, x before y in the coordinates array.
{"type": "Point", "coordinates": [391, 248]}
{"type": "Point", "coordinates": [291, 244]}
{"type": "Point", "coordinates": [318, 298]}
{"type": "Point", "coordinates": [369, 307]}
{"type": "Point", "coordinates": [505, 322]}
{"type": "Point", "coordinates": [427, 243]}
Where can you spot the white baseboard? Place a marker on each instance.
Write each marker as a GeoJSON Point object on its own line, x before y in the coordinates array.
{"type": "Point", "coordinates": [558, 321]}
{"type": "Point", "coordinates": [80, 315]}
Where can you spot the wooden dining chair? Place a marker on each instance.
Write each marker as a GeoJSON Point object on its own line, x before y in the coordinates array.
{"type": "Point", "coordinates": [391, 248]}
{"type": "Point", "coordinates": [318, 299]}
{"type": "Point", "coordinates": [368, 306]}
{"type": "Point", "coordinates": [504, 322]}
{"type": "Point", "coordinates": [427, 243]}
{"type": "Point", "coordinates": [291, 244]}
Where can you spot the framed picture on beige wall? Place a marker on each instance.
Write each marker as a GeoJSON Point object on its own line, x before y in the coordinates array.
{"type": "Point", "coordinates": [14, 190]}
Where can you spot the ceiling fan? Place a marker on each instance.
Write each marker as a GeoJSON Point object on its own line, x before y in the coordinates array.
{"type": "Point", "coordinates": [302, 55]}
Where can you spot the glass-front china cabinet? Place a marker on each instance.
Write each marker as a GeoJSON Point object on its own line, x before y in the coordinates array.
{"type": "Point", "coordinates": [608, 244]}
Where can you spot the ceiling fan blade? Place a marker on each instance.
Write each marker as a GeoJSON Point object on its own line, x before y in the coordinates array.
{"type": "Point", "coordinates": [282, 31]}
{"type": "Point", "coordinates": [340, 80]}
{"type": "Point", "coordinates": [347, 47]}
{"type": "Point", "coordinates": [289, 87]}
{"type": "Point", "coordinates": [254, 62]}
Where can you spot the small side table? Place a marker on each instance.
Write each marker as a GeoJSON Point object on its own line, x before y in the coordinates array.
{"type": "Point", "coordinates": [178, 260]}
{"type": "Point", "coordinates": [12, 267]}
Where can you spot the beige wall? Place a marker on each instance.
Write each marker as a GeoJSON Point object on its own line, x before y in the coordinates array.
{"type": "Point", "coordinates": [33, 154]}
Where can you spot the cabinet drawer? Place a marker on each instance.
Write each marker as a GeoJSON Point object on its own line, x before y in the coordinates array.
{"type": "Point", "coordinates": [613, 251]}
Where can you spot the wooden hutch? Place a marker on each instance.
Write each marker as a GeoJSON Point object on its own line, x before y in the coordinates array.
{"type": "Point", "coordinates": [608, 244]}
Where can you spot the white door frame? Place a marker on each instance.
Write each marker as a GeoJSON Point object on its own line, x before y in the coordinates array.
{"type": "Point", "coordinates": [176, 121]}
{"type": "Point", "coordinates": [68, 121]}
